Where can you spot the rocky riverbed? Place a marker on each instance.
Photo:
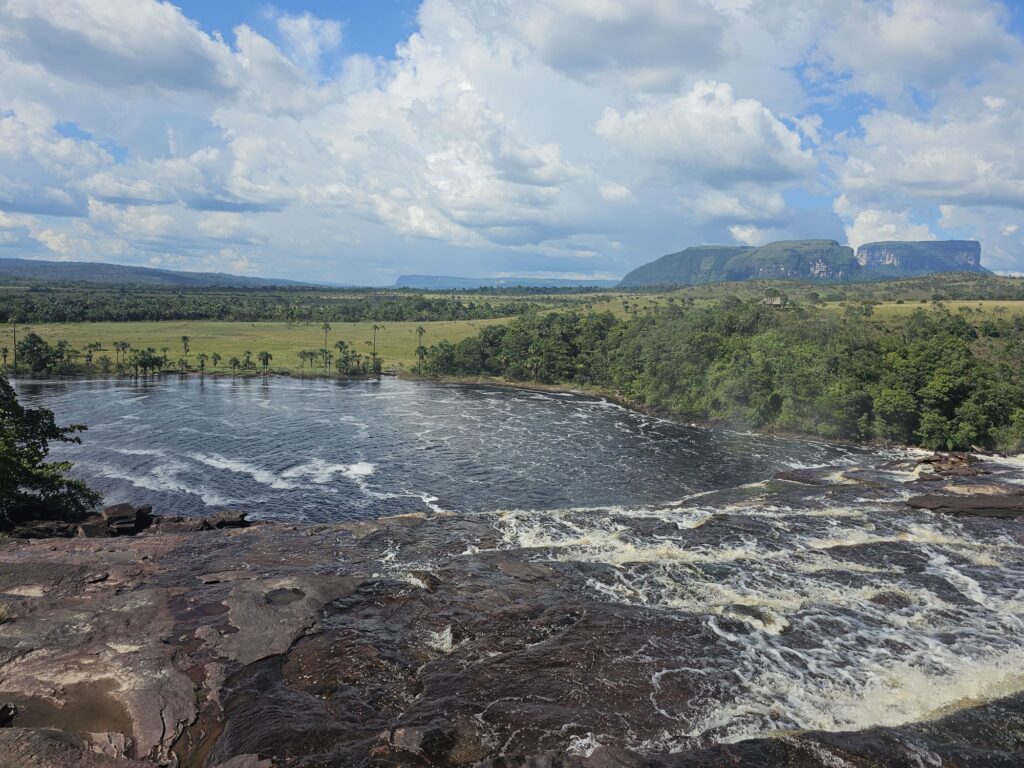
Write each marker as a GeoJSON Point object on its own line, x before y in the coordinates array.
{"type": "Point", "coordinates": [694, 635]}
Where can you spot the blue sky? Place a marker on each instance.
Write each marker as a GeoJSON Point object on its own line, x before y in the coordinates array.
{"type": "Point", "coordinates": [357, 141]}
{"type": "Point", "coordinates": [372, 27]}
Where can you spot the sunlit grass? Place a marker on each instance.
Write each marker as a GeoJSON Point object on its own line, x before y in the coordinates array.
{"type": "Point", "coordinates": [396, 342]}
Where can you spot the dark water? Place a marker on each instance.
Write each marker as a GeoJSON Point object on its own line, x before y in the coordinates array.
{"type": "Point", "coordinates": [834, 607]}
{"type": "Point", "coordinates": [319, 450]}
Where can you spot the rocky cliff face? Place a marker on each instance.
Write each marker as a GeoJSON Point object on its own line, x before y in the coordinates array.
{"type": "Point", "coordinates": [824, 260]}
{"type": "Point", "coordinates": [916, 258]}
{"type": "Point", "coordinates": [783, 260]}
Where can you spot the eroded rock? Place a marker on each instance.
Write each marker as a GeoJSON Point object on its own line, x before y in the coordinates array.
{"type": "Point", "coordinates": [466, 640]}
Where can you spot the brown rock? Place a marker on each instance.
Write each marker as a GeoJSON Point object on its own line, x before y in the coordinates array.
{"type": "Point", "coordinates": [245, 761]}
{"type": "Point", "coordinates": [985, 505]}
{"type": "Point", "coordinates": [95, 527]}
{"type": "Point", "coordinates": [228, 519]}
{"type": "Point", "coordinates": [48, 748]}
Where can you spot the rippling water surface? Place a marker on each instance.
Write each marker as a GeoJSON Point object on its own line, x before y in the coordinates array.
{"type": "Point", "coordinates": [317, 450]}
{"type": "Point", "coordinates": [832, 607]}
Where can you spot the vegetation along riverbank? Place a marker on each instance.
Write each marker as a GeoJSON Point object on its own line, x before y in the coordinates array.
{"type": "Point", "coordinates": [865, 363]}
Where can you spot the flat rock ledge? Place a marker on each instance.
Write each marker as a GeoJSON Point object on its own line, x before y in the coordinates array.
{"type": "Point", "coordinates": [403, 641]}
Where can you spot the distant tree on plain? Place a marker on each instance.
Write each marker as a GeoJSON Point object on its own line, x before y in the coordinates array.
{"type": "Point", "coordinates": [325, 327]}
{"type": "Point", "coordinates": [265, 358]}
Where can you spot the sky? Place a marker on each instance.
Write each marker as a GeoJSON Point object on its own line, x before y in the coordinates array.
{"type": "Point", "coordinates": [353, 141]}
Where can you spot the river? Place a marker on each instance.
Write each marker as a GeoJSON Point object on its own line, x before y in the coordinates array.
{"type": "Point", "coordinates": [318, 450]}
{"type": "Point", "coordinates": [760, 607]}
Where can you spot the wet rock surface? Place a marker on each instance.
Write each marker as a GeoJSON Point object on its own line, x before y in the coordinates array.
{"type": "Point", "coordinates": [812, 620]}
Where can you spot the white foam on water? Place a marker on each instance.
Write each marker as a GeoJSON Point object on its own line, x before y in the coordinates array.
{"type": "Point", "coordinates": [442, 641]}
{"type": "Point", "coordinates": [163, 478]}
{"type": "Point", "coordinates": [262, 476]}
{"type": "Point", "coordinates": [141, 451]}
{"type": "Point", "coordinates": [582, 746]}
{"type": "Point", "coordinates": [320, 471]}
{"type": "Point", "coordinates": [829, 618]}
{"type": "Point", "coordinates": [360, 469]}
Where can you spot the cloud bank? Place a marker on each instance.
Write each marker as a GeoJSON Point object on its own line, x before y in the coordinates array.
{"type": "Point", "coordinates": [544, 137]}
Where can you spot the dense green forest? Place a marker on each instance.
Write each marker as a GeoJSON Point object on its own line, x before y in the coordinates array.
{"type": "Point", "coordinates": [41, 306]}
{"type": "Point", "coordinates": [938, 379]}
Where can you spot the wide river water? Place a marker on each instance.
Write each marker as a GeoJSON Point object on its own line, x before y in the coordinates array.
{"type": "Point", "coordinates": [326, 451]}
{"type": "Point", "coordinates": [833, 607]}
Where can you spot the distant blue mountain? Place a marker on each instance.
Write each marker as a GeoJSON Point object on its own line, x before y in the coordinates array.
{"type": "Point", "coordinates": [38, 271]}
{"type": "Point", "coordinates": [443, 283]}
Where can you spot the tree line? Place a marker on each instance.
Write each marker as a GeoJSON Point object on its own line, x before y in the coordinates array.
{"type": "Point", "coordinates": [109, 306]}
{"type": "Point", "coordinates": [33, 355]}
{"type": "Point", "coordinates": [939, 379]}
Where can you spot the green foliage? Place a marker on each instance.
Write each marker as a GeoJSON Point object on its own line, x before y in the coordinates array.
{"type": "Point", "coordinates": [30, 488]}
{"type": "Point", "coordinates": [935, 380]}
{"type": "Point", "coordinates": [119, 306]}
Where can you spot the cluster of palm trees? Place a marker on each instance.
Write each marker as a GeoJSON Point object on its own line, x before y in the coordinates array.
{"type": "Point", "coordinates": [40, 357]}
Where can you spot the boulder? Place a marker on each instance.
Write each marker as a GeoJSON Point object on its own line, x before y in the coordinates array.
{"type": "Point", "coordinates": [125, 519]}
{"type": "Point", "coordinates": [956, 463]}
{"type": "Point", "coordinates": [228, 518]}
{"type": "Point", "coordinates": [94, 527]}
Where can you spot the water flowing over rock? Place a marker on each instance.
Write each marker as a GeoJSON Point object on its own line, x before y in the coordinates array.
{"type": "Point", "coordinates": [813, 619]}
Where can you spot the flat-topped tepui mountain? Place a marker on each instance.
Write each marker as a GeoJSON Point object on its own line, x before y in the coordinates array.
{"type": "Point", "coordinates": [40, 271]}
{"type": "Point", "coordinates": [824, 260]}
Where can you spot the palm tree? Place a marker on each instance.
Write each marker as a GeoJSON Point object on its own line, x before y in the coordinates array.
{"type": "Point", "coordinates": [234, 362]}
{"type": "Point", "coordinates": [247, 360]}
{"type": "Point", "coordinates": [265, 358]}
{"type": "Point", "coordinates": [375, 329]}
{"type": "Point", "coordinates": [325, 327]}
{"type": "Point", "coordinates": [122, 347]}
{"type": "Point", "coordinates": [202, 357]}
{"type": "Point", "coordinates": [308, 355]}
{"type": "Point", "coordinates": [182, 365]}
{"type": "Point", "coordinates": [215, 359]}
{"type": "Point", "coordinates": [165, 350]}
{"type": "Point", "coordinates": [421, 351]}
{"type": "Point", "coordinates": [344, 356]}
{"type": "Point", "coordinates": [4, 352]}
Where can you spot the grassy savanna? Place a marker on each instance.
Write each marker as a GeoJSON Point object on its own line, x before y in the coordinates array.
{"type": "Point", "coordinates": [396, 342]}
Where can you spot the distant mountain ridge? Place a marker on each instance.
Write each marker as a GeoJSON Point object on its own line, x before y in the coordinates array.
{"type": "Point", "coordinates": [33, 270]}
{"type": "Point", "coordinates": [824, 260]}
{"type": "Point", "coordinates": [446, 283]}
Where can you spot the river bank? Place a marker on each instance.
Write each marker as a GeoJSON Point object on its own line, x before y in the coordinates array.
{"type": "Point", "coordinates": [529, 639]}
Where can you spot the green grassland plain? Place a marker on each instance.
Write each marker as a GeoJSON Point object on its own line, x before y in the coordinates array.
{"type": "Point", "coordinates": [396, 342]}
